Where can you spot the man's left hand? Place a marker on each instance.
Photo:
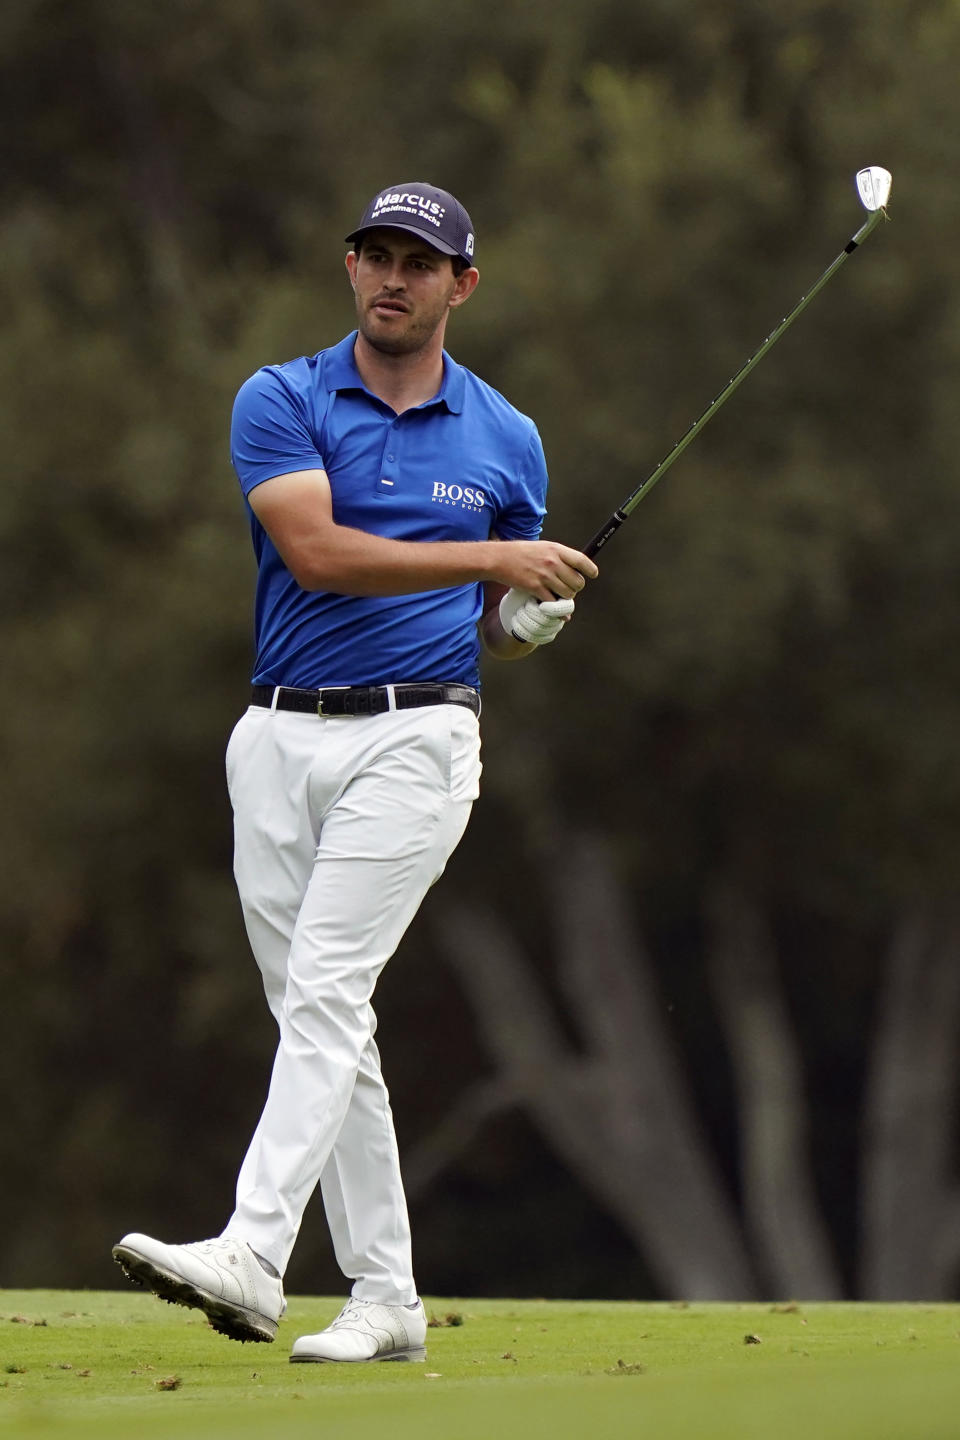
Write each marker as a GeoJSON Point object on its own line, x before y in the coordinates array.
{"type": "Point", "coordinates": [533, 621]}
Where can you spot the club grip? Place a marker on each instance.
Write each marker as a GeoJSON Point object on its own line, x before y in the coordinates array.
{"type": "Point", "coordinates": [603, 535]}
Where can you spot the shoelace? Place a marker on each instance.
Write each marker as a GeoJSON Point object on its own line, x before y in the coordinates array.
{"type": "Point", "coordinates": [351, 1312]}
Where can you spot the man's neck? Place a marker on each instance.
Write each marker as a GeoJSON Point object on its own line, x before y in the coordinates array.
{"type": "Point", "coordinates": [400, 381]}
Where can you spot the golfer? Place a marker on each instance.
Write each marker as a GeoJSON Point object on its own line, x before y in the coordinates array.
{"type": "Point", "coordinates": [395, 502]}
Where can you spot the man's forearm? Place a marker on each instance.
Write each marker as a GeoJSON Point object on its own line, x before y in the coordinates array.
{"type": "Point", "coordinates": [355, 562]}
{"type": "Point", "coordinates": [296, 510]}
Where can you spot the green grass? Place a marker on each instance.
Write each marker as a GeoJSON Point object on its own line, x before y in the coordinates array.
{"type": "Point", "coordinates": [121, 1364]}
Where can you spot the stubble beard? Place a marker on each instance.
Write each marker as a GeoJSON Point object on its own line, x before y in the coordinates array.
{"type": "Point", "coordinates": [415, 336]}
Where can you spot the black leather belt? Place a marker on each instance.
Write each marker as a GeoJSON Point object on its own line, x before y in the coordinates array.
{"type": "Point", "coordinates": [363, 699]}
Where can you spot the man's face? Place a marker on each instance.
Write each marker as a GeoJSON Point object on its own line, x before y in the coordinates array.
{"type": "Point", "coordinates": [404, 290]}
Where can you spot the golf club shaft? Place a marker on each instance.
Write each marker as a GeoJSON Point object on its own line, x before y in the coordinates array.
{"type": "Point", "coordinates": [633, 499]}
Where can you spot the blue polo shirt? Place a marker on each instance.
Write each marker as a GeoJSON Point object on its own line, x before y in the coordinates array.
{"type": "Point", "coordinates": [463, 466]}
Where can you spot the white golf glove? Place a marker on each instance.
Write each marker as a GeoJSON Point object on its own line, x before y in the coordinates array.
{"type": "Point", "coordinates": [534, 621]}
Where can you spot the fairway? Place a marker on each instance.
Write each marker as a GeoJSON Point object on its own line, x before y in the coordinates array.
{"type": "Point", "coordinates": [122, 1364]}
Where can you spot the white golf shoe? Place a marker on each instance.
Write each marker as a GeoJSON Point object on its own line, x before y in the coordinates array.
{"type": "Point", "coordinates": [366, 1331]}
{"type": "Point", "coordinates": [222, 1277]}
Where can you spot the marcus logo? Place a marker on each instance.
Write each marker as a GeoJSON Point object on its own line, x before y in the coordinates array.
{"type": "Point", "coordinates": [467, 497]}
{"type": "Point", "coordinates": [409, 204]}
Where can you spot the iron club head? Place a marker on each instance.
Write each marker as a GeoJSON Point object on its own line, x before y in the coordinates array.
{"type": "Point", "coordinates": [873, 186]}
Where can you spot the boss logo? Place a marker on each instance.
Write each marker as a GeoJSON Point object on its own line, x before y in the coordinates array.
{"type": "Point", "coordinates": [468, 497]}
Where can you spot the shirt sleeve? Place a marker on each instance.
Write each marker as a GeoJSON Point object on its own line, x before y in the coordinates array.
{"type": "Point", "coordinates": [270, 434]}
{"type": "Point", "coordinates": [521, 518]}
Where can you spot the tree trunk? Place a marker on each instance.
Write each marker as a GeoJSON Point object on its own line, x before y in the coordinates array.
{"type": "Point", "coordinates": [911, 1207]}
{"type": "Point", "coordinates": [779, 1198]}
{"type": "Point", "coordinates": [618, 1111]}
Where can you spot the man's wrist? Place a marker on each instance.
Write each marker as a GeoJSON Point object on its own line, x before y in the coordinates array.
{"type": "Point", "coordinates": [487, 554]}
{"type": "Point", "coordinates": [500, 643]}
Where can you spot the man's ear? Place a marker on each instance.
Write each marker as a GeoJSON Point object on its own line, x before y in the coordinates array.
{"type": "Point", "coordinates": [467, 282]}
{"type": "Point", "coordinates": [351, 264]}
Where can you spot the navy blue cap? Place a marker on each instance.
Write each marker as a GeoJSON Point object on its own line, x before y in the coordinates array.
{"type": "Point", "coordinates": [421, 209]}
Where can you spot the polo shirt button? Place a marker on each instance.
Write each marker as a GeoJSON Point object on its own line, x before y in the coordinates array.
{"type": "Point", "coordinates": [391, 458]}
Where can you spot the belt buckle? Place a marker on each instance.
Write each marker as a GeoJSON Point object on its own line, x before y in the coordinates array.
{"type": "Point", "coordinates": [324, 714]}
{"type": "Point", "coordinates": [357, 700]}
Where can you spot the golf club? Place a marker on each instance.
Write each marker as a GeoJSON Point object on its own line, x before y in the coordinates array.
{"type": "Point", "coordinates": [873, 187]}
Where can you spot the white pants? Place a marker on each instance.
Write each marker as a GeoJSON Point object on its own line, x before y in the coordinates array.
{"type": "Point", "coordinates": [340, 826]}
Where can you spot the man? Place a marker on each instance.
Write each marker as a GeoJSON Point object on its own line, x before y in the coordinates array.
{"type": "Point", "coordinates": [395, 502]}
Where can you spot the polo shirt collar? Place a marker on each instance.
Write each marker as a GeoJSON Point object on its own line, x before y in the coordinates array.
{"type": "Point", "coordinates": [341, 373]}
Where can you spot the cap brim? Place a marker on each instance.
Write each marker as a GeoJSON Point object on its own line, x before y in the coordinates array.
{"type": "Point", "coordinates": [430, 240]}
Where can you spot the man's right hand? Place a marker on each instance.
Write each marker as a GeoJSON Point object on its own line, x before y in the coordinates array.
{"type": "Point", "coordinates": [544, 568]}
